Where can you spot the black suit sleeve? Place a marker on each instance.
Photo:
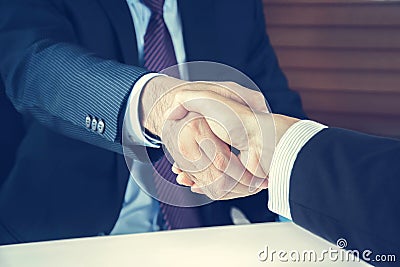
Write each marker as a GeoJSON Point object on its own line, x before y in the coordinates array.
{"type": "Point", "coordinates": [345, 185]}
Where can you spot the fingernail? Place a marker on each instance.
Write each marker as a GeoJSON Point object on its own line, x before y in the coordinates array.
{"type": "Point", "coordinates": [196, 189]}
{"type": "Point", "coordinates": [179, 179]}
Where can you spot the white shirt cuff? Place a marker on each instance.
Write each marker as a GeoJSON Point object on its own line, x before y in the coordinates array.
{"type": "Point", "coordinates": [282, 164]}
{"type": "Point", "coordinates": [133, 126]}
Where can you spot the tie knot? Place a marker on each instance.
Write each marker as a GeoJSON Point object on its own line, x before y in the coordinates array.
{"type": "Point", "coordinates": [156, 6]}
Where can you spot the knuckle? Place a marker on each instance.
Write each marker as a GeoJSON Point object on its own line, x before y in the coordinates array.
{"type": "Point", "coordinates": [220, 161]}
{"type": "Point", "coordinates": [193, 126]}
{"type": "Point", "coordinates": [209, 185]}
{"type": "Point", "coordinates": [229, 184]}
{"type": "Point", "coordinates": [214, 194]}
{"type": "Point", "coordinates": [183, 149]}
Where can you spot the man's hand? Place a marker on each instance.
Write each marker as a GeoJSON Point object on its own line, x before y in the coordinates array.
{"type": "Point", "coordinates": [255, 134]}
{"type": "Point", "coordinates": [190, 141]}
{"type": "Point", "coordinates": [159, 93]}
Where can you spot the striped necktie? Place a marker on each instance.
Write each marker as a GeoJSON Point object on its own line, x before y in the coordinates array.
{"type": "Point", "coordinates": [159, 50]}
{"type": "Point", "coordinates": [159, 54]}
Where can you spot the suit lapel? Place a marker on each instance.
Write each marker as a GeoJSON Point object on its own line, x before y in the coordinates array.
{"type": "Point", "coordinates": [120, 17]}
{"type": "Point", "coordinates": [199, 29]}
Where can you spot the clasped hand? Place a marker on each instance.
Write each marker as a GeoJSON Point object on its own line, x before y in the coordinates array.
{"type": "Point", "coordinates": [220, 136]}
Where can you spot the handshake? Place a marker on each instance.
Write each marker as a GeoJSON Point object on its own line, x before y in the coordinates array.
{"type": "Point", "coordinates": [220, 136]}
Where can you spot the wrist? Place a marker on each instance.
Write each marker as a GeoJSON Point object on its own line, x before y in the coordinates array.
{"type": "Point", "coordinates": [274, 126]}
{"type": "Point", "coordinates": [156, 98]}
{"type": "Point", "coordinates": [282, 123]}
{"type": "Point", "coordinates": [147, 100]}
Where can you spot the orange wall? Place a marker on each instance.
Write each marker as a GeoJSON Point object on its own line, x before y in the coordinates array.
{"type": "Point", "coordinates": [343, 57]}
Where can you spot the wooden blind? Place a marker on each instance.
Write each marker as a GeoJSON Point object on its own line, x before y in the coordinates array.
{"type": "Point", "coordinates": [343, 57]}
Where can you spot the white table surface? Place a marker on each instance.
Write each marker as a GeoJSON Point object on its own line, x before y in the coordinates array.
{"type": "Point", "coordinates": [218, 246]}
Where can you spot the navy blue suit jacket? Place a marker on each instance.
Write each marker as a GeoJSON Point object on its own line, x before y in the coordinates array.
{"type": "Point", "coordinates": [345, 184]}
{"type": "Point", "coordinates": [63, 60]}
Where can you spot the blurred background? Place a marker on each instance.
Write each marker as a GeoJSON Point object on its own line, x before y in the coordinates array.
{"type": "Point", "coordinates": [343, 57]}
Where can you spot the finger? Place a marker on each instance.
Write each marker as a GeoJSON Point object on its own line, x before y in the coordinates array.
{"type": "Point", "coordinates": [183, 179]}
{"type": "Point", "coordinates": [216, 184]}
{"type": "Point", "coordinates": [200, 137]}
{"type": "Point", "coordinates": [231, 195]}
{"type": "Point", "coordinates": [223, 159]}
{"type": "Point", "coordinates": [251, 161]}
{"type": "Point", "coordinates": [204, 103]}
{"type": "Point", "coordinates": [226, 116]}
{"type": "Point", "coordinates": [226, 184]}
{"type": "Point", "coordinates": [240, 190]}
{"type": "Point", "coordinates": [224, 162]}
{"type": "Point", "coordinates": [186, 99]}
{"type": "Point", "coordinates": [236, 92]}
{"type": "Point", "coordinates": [228, 163]}
{"type": "Point", "coordinates": [226, 196]}
{"type": "Point", "coordinates": [187, 145]}
{"type": "Point", "coordinates": [175, 169]}
{"type": "Point", "coordinates": [185, 150]}
{"type": "Point", "coordinates": [252, 98]}
{"type": "Point", "coordinates": [196, 189]}
{"type": "Point", "coordinates": [228, 125]}
{"type": "Point", "coordinates": [257, 185]}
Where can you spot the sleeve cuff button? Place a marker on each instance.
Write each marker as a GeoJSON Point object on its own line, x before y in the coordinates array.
{"type": "Point", "coordinates": [88, 122]}
{"type": "Point", "coordinates": [100, 126]}
{"type": "Point", "coordinates": [94, 124]}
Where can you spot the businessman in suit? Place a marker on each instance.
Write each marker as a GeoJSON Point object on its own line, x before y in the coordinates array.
{"type": "Point", "coordinates": [72, 68]}
{"type": "Point", "coordinates": [334, 182]}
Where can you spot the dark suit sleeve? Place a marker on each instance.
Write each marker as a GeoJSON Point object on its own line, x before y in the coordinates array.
{"type": "Point", "coordinates": [49, 77]}
{"type": "Point", "coordinates": [345, 185]}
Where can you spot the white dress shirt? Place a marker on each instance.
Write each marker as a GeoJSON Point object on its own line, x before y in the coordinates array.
{"type": "Point", "coordinates": [282, 164]}
{"type": "Point", "coordinates": [139, 211]}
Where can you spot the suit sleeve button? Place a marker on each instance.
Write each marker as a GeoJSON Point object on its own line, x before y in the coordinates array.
{"type": "Point", "coordinates": [100, 126]}
{"type": "Point", "coordinates": [88, 122]}
{"type": "Point", "coordinates": [94, 124]}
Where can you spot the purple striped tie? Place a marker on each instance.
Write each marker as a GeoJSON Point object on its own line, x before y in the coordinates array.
{"type": "Point", "coordinates": [159, 51]}
{"type": "Point", "coordinates": [159, 54]}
